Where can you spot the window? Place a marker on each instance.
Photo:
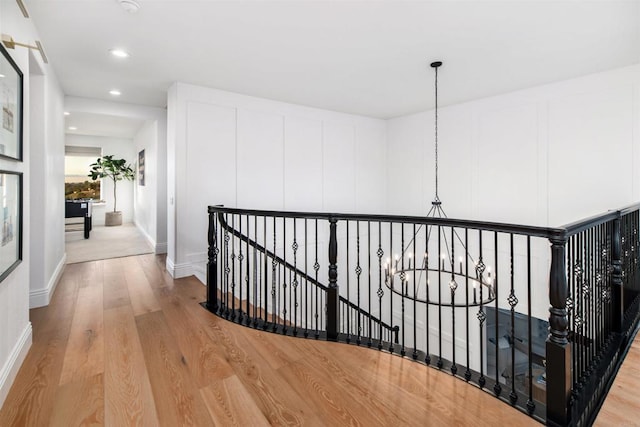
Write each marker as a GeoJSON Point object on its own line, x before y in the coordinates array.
{"type": "Point", "coordinates": [77, 184]}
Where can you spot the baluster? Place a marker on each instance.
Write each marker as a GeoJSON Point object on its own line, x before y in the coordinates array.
{"type": "Point", "coordinates": [582, 313]}
{"type": "Point", "coordinates": [256, 274]}
{"type": "Point", "coordinates": [572, 306]}
{"type": "Point", "coordinates": [369, 342]}
{"type": "Point", "coordinates": [558, 350]}
{"type": "Point", "coordinates": [392, 282]}
{"type": "Point", "coordinates": [414, 355]}
{"type": "Point", "coordinates": [380, 253]}
{"type": "Point", "coordinates": [602, 291]}
{"type": "Point", "coordinates": [233, 269]}
{"type": "Point", "coordinates": [467, 372]}
{"type": "Point", "coordinates": [513, 301]}
{"type": "Point", "coordinates": [480, 267]}
{"type": "Point", "coordinates": [348, 286]}
{"type": "Point", "coordinates": [440, 271]}
{"type": "Point", "coordinates": [497, 388]}
{"type": "Point", "coordinates": [248, 276]}
{"type": "Point", "coordinates": [593, 330]}
{"type": "Point", "coordinates": [227, 270]}
{"type": "Point", "coordinates": [212, 264]}
{"type": "Point", "coordinates": [531, 406]}
{"type": "Point", "coordinates": [266, 277]}
{"type": "Point", "coordinates": [610, 270]}
{"type": "Point", "coordinates": [294, 284]}
{"type": "Point", "coordinates": [427, 356]}
{"type": "Point", "coordinates": [403, 284]}
{"type": "Point", "coordinates": [240, 262]}
{"type": "Point", "coordinates": [306, 281]}
{"type": "Point", "coordinates": [316, 267]}
{"type": "Point", "coordinates": [453, 286]}
{"type": "Point", "coordinates": [275, 282]}
{"type": "Point", "coordinates": [283, 283]}
{"type": "Point", "coordinates": [358, 272]}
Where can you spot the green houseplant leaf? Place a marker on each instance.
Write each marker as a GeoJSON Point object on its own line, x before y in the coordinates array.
{"type": "Point", "coordinates": [115, 169]}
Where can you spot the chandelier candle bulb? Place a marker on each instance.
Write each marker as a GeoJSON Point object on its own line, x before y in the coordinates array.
{"type": "Point", "coordinates": [475, 285]}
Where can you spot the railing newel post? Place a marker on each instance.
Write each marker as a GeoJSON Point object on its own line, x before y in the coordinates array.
{"type": "Point", "coordinates": [333, 294]}
{"type": "Point", "coordinates": [558, 349]}
{"type": "Point", "coordinates": [212, 265]}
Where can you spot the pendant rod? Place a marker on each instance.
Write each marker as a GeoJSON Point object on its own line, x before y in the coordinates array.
{"type": "Point", "coordinates": [436, 65]}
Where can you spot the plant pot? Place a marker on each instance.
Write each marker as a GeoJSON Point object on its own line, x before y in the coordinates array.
{"type": "Point", "coordinates": [113, 218]}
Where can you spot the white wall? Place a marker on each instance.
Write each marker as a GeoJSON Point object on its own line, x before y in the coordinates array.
{"type": "Point", "coordinates": [255, 153]}
{"type": "Point", "coordinates": [145, 200]}
{"type": "Point", "coordinates": [47, 174]}
{"type": "Point", "coordinates": [154, 198]}
{"type": "Point", "coordinates": [42, 134]}
{"type": "Point", "coordinates": [544, 156]}
{"type": "Point", "coordinates": [120, 148]}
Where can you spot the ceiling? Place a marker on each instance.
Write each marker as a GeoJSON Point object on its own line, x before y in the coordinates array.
{"type": "Point", "coordinates": [102, 125]}
{"type": "Point", "coordinates": [363, 57]}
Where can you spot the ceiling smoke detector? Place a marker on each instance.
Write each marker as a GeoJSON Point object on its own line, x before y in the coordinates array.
{"type": "Point", "coordinates": [131, 6]}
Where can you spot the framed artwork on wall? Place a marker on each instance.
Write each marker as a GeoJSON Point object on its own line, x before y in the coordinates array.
{"type": "Point", "coordinates": [141, 168]}
{"type": "Point", "coordinates": [10, 107]}
{"type": "Point", "coordinates": [10, 222]}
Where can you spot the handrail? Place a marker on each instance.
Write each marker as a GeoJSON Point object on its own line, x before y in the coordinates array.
{"type": "Point", "coordinates": [301, 273]}
{"type": "Point", "coordinates": [530, 230]}
{"type": "Point", "coordinates": [446, 222]}
{"type": "Point", "coordinates": [592, 221]}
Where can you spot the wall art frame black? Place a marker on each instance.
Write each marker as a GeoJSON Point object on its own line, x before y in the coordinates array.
{"type": "Point", "coordinates": [11, 203]}
{"type": "Point", "coordinates": [141, 161]}
{"type": "Point", "coordinates": [11, 107]}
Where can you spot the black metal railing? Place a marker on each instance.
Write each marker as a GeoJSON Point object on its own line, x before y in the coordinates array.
{"type": "Point", "coordinates": [540, 327]}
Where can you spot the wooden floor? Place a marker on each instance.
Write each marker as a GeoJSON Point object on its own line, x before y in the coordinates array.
{"type": "Point", "coordinates": [622, 406]}
{"type": "Point", "coordinates": [123, 344]}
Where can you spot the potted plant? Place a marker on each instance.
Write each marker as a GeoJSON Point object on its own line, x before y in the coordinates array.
{"type": "Point", "coordinates": [117, 170]}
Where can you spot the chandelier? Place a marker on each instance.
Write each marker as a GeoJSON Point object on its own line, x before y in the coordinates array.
{"type": "Point", "coordinates": [423, 280]}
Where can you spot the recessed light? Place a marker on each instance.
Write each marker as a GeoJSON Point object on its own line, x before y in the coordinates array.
{"type": "Point", "coordinates": [66, 113]}
{"type": "Point", "coordinates": [119, 53]}
{"type": "Point", "coordinates": [1, 76]}
{"type": "Point", "coordinates": [72, 128]}
{"type": "Point", "coordinates": [115, 92]}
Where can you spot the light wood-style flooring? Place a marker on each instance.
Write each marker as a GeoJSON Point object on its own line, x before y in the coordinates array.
{"type": "Point", "coordinates": [622, 406]}
{"type": "Point", "coordinates": [124, 344]}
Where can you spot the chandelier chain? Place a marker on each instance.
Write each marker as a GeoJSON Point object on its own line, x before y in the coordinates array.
{"type": "Point", "coordinates": [436, 135]}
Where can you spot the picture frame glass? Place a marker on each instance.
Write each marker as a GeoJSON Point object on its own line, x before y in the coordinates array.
{"type": "Point", "coordinates": [10, 108]}
{"type": "Point", "coordinates": [141, 161]}
{"type": "Point", "coordinates": [10, 222]}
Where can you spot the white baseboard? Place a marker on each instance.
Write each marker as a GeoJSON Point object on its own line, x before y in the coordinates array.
{"type": "Point", "coordinates": [161, 248]}
{"type": "Point", "coordinates": [179, 270]}
{"type": "Point", "coordinates": [201, 275]}
{"type": "Point", "coordinates": [150, 240]}
{"type": "Point", "coordinates": [198, 262]}
{"type": "Point", "coordinates": [42, 297]}
{"type": "Point", "coordinates": [13, 363]}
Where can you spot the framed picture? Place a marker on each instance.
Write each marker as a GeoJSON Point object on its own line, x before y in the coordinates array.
{"type": "Point", "coordinates": [10, 222]}
{"type": "Point", "coordinates": [141, 168]}
{"type": "Point", "coordinates": [10, 107]}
